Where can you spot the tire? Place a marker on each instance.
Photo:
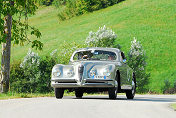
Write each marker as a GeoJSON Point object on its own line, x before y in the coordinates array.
{"type": "Point", "coordinates": [131, 93]}
{"type": "Point", "coordinates": [112, 92]}
{"type": "Point", "coordinates": [59, 92]}
{"type": "Point", "coordinates": [78, 93]}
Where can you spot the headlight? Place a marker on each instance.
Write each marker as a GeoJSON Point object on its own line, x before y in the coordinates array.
{"type": "Point", "coordinates": [56, 73]}
{"type": "Point", "coordinates": [92, 73]}
{"type": "Point", "coordinates": [106, 72]}
{"type": "Point", "coordinates": [70, 73]}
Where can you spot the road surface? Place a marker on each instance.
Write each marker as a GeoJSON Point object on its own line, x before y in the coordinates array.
{"type": "Point", "coordinates": [143, 106]}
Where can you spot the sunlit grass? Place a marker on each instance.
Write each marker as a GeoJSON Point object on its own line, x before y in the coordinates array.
{"type": "Point", "coordinates": [12, 95]}
{"type": "Point", "coordinates": [173, 106]}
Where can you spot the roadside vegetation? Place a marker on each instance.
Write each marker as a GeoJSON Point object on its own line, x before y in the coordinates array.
{"type": "Point", "coordinates": [173, 106]}
{"type": "Point", "coordinates": [12, 95]}
{"type": "Point", "coordinates": [151, 22]}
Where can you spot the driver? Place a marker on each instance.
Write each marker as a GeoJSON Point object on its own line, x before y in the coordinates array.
{"type": "Point", "coordinates": [85, 57]}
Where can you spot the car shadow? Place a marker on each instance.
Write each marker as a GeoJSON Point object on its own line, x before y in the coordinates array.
{"type": "Point", "coordinates": [149, 98]}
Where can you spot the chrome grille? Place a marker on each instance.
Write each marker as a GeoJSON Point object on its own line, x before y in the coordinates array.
{"type": "Point", "coordinates": [80, 72]}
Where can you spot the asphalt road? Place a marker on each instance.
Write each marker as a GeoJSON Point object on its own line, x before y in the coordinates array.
{"type": "Point", "coordinates": [143, 106]}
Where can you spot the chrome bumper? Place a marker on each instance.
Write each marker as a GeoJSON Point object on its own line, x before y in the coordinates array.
{"type": "Point", "coordinates": [92, 83]}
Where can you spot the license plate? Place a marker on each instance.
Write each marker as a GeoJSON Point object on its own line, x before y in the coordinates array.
{"type": "Point", "coordinates": [100, 77]}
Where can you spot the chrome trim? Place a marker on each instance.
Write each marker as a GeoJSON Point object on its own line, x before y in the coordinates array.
{"type": "Point", "coordinates": [126, 87]}
{"type": "Point", "coordinates": [73, 85]}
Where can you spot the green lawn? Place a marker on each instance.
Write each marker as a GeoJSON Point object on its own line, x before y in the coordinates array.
{"type": "Point", "coordinates": [152, 22]}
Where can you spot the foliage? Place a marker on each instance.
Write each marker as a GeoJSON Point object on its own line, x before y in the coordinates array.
{"type": "Point", "coordinates": [137, 61]}
{"type": "Point", "coordinates": [47, 2]}
{"type": "Point", "coordinates": [18, 9]}
{"type": "Point", "coordinates": [168, 88]}
{"type": "Point", "coordinates": [45, 67]}
{"type": "Point", "coordinates": [78, 7]}
{"type": "Point", "coordinates": [104, 37]}
{"type": "Point", "coordinates": [67, 49]}
{"type": "Point", "coordinates": [167, 85]}
{"type": "Point", "coordinates": [32, 75]}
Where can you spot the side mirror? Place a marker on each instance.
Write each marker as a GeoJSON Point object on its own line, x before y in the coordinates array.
{"type": "Point", "coordinates": [124, 60]}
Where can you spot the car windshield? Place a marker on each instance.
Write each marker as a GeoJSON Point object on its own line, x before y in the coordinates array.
{"type": "Point", "coordinates": [94, 55]}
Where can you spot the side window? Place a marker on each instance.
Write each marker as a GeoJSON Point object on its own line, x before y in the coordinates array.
{"type": "Point", "coordinates": [123, 58]}
{"type": "Point", "coordinates": [123, 55]}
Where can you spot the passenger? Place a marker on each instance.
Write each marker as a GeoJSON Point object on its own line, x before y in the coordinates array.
{"type": "Point", "coordinates": [110, 57]}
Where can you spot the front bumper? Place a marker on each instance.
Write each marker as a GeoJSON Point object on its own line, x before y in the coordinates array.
{"type": "Point", "coordinates": [87, 83]}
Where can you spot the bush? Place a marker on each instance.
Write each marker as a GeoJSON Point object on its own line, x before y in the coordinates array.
{"type": "Point", "coordinates": [46, 2]}
{"type": "Point", "coordinates": [45, 67]}
{"type": "Point", "coordinates": [67, 49]}
{"type": "Point", "coordinates": [32, 75]}
{"type": "Point", "coordinates": [168, 89]}
{"type": "Point", "coordinates": [104, 37]}
{"type": "Point", "coordinates": [78, 7]}
{"type": "Point", "coordinates": [137, 61]}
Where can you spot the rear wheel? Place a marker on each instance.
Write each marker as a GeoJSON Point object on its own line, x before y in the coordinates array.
{"type": "Point", "coordinates": [59, 92]}
{"type": "Point", "coordinates": [131, 93]}
{"type": "Point", "coordinates": [78, 93]}
{"type": "Point", "coordinates": [113, 92]}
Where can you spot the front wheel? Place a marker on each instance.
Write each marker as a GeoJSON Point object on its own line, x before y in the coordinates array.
{"type": "Point", "coordinates": [112, 93]}
{"type": "Point", "coordinates": [59, 92]}
{"type": "Point", "coordinates": [131, 93]}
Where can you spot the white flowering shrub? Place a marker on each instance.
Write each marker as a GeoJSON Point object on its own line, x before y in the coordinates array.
{"type": "Point", "coordinates": [30, 66]}
{"type": "Point", "coordinates": [137, 61]}
{"type": "Point", "coordinates": [63, 55]}
{"type": "Point", "coordinates": [32, 74]}
{"type": "Point", "coordinates": [30, 60]}
{"type": "Point", "coordinates": [104, 37]}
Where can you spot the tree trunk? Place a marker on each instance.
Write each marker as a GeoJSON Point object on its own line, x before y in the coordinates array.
{"type": "Point", "coordinates": [5, 60]}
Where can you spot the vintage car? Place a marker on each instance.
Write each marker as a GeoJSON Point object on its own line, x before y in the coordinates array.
{"type": "Point", "coordinates": [94, 69]}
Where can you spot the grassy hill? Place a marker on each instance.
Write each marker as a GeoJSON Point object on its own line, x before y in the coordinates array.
{"type": "Point", "coordinates": [152, 22]}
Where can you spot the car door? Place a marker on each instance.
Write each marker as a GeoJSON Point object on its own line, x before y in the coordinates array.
{"type": "Point", "coordinates": [124, 71]}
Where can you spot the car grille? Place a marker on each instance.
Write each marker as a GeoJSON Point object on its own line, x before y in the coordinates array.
{"type": "Point", "coordinates": [80, 72]}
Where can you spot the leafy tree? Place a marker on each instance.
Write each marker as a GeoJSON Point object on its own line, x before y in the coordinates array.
{"type": "Point", "coordinates": [137, 61]}
{"type": "Point", "coordinates": [12, 28]}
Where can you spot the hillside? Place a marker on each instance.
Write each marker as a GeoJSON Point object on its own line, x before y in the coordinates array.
{"type": "Point", "coordinates": [152, 22]}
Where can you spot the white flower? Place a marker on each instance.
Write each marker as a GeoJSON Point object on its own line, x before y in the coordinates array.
{"type": "Point", "coordinates": [96, 38]}
{"type": "Point", "coordinates": [31, 59]}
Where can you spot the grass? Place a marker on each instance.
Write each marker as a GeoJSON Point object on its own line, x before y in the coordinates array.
{"type": "Point", "coordinates": [173, 106]}
{"type": "Point", "coordinates": [152, 22]}
{"type": "Point", "coordinates": [12, 95]}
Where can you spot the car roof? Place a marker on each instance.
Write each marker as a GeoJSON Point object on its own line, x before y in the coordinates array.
{"type": "Point", "coordinates": [98, 48]}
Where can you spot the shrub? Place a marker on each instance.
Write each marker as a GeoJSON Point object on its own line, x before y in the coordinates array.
{"type": "Point", "coordinates": [68, 11]}
{"type": "Point", "coordinates": [67, 49]}
{"type": "Point", "coordinates": [46, 2]}
{"type": "Point", "coordinates": [104, 37]}
{"type": "Point", "coordinates": [137, 61]}
{"type": "Point", "coordinates": [44, 81]}
{"type": "Point", "coordinates": [168, 89]}
{"type": "Point", "coordinates": [32, 75]}
{"type": "Point", "coordinates": [78, 7]}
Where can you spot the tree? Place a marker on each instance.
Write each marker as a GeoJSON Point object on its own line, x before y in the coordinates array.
{"type": "Point", "coordinates": [137, 61]}
{"type": "Point", "coordinates": [12, 28]}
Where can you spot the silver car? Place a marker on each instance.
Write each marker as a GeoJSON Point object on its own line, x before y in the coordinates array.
{"type": "Point", "coordinates": [93, 70]}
